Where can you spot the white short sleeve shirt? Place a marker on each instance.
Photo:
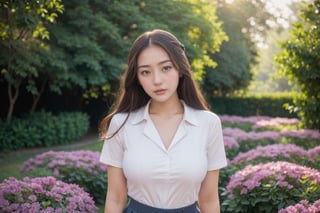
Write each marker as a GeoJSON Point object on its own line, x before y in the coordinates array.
{"type": "Point", "coordinates": [160, 177]}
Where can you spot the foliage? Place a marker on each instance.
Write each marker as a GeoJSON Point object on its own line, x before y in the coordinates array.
{"type": "Point", "coordinates": [271, 186]}
{"type": "Point", "coordinates": [88, 44]}
{"type": "Point", "coordinates": [233, 70]}
{"type": "Point", "coordinates": [300, 61]}
{"type": "Point", "coordinates": [42, 129]}
{"type": "Point", "coordinates": [243, 21]}
{"type": "Point", "coordinates": [79, 167]}
{"type": "Point", "coordinates": [44, 194]}
{"type": "Point", "coordinates": [91, 54]}
{"type": "Point", "coordinates": [23, 52]}
{"type": "Point", "coordinates": [268, 105]}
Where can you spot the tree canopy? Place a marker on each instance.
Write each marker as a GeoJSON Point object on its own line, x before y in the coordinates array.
{"type": "Point", "coordinates": [23, 31]}
{"type": "Point", "coordinates": [300, 61]}
{"type": "Point", "coordinates": [244, 21]}
{"type": "Point", "coordinates": [84, 49]}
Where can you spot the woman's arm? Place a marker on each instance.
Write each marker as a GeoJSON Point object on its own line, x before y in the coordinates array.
{"type": "Point", "coordinates": [209, 194]}
{"type": "Point", "coordinates": [116, 198]}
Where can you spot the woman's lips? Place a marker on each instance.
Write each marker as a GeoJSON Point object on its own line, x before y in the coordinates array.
{"type": "Point", "coordinates": [159, 91]}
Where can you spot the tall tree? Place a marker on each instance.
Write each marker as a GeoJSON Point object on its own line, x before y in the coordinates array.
{"type": "Point", "coordinates": [300, 61]}
{"type": "Point", "coordinates": [22, 34]}
{"type": "Point", "coordinates": [233, 70]}
{"type": "Point", "coordinates": [89, 42]}
{"type": "Point", "coordinates": [244, 22]}
{"type": "Point", "coordinates": [92, 38]}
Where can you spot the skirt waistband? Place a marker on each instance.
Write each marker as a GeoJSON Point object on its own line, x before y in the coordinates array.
{"type": "Point", "coordinates": [137, 207]}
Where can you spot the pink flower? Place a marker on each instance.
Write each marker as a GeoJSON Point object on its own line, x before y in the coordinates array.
{"type": "Point", "coordinates": [302, 207]}
{"type": "Point", "coordinates": [230, 142]}
{"type": "Point", "coordinates": [33, 198]}
{"type": "Point", "coordinates": [275, 122]}
{"type": "Point", "coordinates": [273, 152]}
{"type": "Point", "coordinates": [56, 192]}
{"type": "Point", "coordinates": [302, 133]}
{"type": "Point", "coordinates": [271, 173]}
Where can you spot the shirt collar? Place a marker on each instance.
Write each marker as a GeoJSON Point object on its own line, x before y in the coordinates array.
{"type": "Point", "coordinates": [142, 114]}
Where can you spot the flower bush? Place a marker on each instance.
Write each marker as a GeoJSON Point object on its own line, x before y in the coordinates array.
{"type": "Point", "coordinates": [302, 206]}
{"type": "Point", "coordinates": [80, 167]}
{"type": "Point", "coordinates": [249, 140]}
{"type": "Point", "coordinates": [306, 138]}
{"type": "Point", "coordinates": [314, 154]}
{"type": "Point", "coordinates": [274, 122]}
{"type": "Point", "coordinates": [274, 152]}
{"type": "Point", "coordinates": [271, 186]}
{"type": "Point", "coordinates": [43, 195]}
{"type": "Point", "coordinates": [231, 146]}
{"type": "Point", "coordinates": [260, 122]}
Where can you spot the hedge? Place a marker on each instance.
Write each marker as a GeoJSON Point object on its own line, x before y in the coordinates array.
{"type": "Point", "coordinates": [269, 105]}
{"type": "Point", "coordinates": [40, 129]}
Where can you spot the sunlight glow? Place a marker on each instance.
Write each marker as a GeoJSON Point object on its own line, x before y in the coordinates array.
{"type": "Point", "coordinates": [229, 1]}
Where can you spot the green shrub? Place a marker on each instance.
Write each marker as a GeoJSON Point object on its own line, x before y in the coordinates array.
{"type": "Point", "coordinates": [42, 129]}
{"type": "Point", "coordinates": [267, 105]}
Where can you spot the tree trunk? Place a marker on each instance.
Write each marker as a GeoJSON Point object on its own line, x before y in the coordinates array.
{"type": "Point", "coordinates": [36, 98]}
{"type": "Point", "coordinates": [12, 99]}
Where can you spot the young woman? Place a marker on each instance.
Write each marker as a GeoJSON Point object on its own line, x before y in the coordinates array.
{"type": "Point", "coordinates": [163, 147]}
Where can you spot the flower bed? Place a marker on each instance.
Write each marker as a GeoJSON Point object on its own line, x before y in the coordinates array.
{"type": "Point", "coordinates": [80, 167]}
{"type": "Point", "coordinates": [249, 140]}
{"type": "Point", "coordinates": [275, 152]}
{"type": "Point", "coordinates": [271, 186]}
{"type": "Point", "coordinates": [44, 194]}
{"type": "Point", "coordinates": [303, 206]}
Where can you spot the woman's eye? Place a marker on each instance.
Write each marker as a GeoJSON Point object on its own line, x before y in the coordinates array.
{"type": "Point", "coordinates": [167, 68]}
{"type": "Point", "coordinates": [144, 72]}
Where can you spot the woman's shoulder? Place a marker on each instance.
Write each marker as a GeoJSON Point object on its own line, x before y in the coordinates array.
{"type": "Point", "coordinates": [206, 116]}
{"type": "Point", "coordinates": [121, 117]}
{"type": "Point", "coordinates": [118, 118]}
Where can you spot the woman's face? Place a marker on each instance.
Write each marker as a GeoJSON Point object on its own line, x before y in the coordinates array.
{"type": "Point", "coordinates": [157, 75]}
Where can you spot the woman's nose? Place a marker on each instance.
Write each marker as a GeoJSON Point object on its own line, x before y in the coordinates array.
{"type": "Point", "coordinates": [157, 77]}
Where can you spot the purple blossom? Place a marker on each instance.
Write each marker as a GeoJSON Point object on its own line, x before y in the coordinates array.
{"type": "Point", "coordinates": [33, 198]}
{"type": "Point", "coordinates": [86, 160]}
{"type": "Point", "coordinates": [301, 133]}
{"type": "Point", "coordinates": [239, 119]}
{"type": "Point", "coordinates": [302, 207]}
{"type": "Point", "coordinates": [271, 173]}
{"type": "Point", "coordinates": [273, 152]}
{"type": "Point", "coordinates": [314, 152]}
{"type": "Point", "coordinates": [277, 121]}
{"type": "Point", "coordinates": [242, 135]}
{"type": "Point", "coordinates": [23, 196]}
{"type": "Point", "coordinates": [230, 142]}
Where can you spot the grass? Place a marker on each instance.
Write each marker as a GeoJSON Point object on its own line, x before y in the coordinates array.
{"type": "Point", "coordinates": [10, 162]}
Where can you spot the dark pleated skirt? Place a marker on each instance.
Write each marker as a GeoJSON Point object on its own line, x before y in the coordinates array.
{"type": "Point", "coordinates": [137, 207]}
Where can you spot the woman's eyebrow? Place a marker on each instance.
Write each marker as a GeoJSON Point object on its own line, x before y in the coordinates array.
{"type": "Point", "coordinates": [161, 62]}
{"type": "Point", "coordinates": [165, 61]}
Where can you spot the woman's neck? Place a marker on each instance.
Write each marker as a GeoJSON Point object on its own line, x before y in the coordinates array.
{"type": "Point", "coordinates": [166, 108]}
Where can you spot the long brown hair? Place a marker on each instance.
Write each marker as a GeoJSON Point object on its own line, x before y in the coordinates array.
{"type": "Point", "coordinates": [132, 96]}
